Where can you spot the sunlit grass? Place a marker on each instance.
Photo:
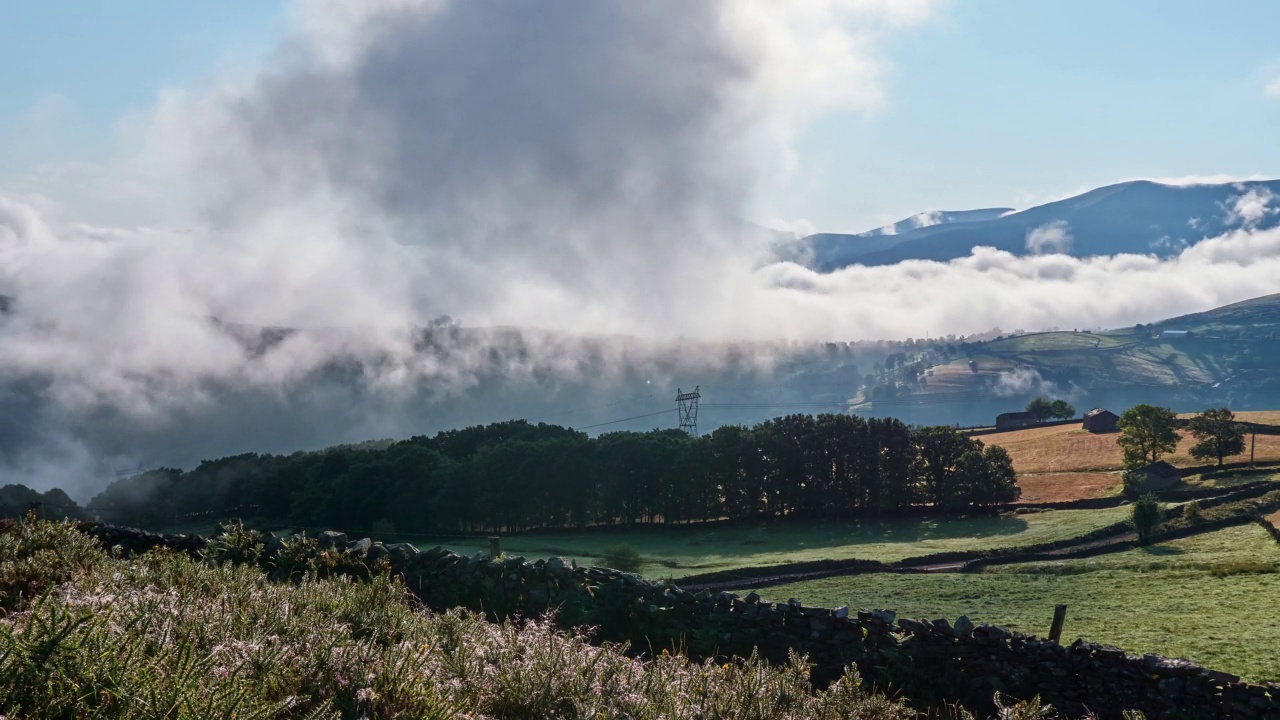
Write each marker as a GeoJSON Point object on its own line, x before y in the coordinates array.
{"type": "Point", "coordinates": [671, 552]}
{"type": "Point", "coordinates": [1211, 597]}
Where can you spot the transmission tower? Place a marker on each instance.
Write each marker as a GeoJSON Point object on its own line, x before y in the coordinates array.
{"type": "Point", "coordinates": [687, 404]}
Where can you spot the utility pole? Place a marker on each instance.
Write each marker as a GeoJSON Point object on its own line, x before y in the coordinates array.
{"type": "Point", "coordinates": [687, 406]}
{"type": "Point", "coordinates": [1253, 445]}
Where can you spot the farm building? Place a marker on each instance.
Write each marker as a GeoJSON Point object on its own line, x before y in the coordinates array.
{"type": "Point", "coordinates": [1160, 476]}
{"type": "Point", "coordinates": [1012, 420]}
{"type": "Point", "coordinates": [1100, 420]}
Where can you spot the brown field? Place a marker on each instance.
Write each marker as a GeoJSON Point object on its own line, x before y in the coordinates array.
{"type": "Point", "coordinates": [1262, 417]}
{"type": "Point", "coordinates": [1067, 448]}
{"type": "Point", "coordinates": [1060, 487]}
{"type": "Point", "coordinates": [1274, 518]}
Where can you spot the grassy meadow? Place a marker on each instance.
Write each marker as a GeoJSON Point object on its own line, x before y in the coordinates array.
{"type": "Point", "coordinates": [1212, 598]}
{"type": "Point", "coordinates": [672, 552]}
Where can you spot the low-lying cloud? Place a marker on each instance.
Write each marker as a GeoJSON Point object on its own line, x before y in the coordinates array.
{"type": "Point", "coordinates": [1052, 237]}
{"type": "Point", "coordinates": [576, 167]}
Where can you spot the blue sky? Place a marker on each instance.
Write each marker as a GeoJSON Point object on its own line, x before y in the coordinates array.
{"type": "Point", "coordinates": [989, 102]}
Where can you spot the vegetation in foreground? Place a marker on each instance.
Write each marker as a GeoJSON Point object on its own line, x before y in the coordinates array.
{"type": "Point", "coordinates": [1207, 597]}
{"type": "Point", "coordinates": [673, 552]}
{"type": "Point", "coordinates": [165, 636]}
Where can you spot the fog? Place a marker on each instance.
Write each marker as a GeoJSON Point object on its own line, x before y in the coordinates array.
{"type": "Point", "coordinates": [580, 170]}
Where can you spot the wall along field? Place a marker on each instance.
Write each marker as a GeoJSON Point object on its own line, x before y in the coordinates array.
{"type": "Point", "coordinates": [676, 551]}
{"type": "Point", "coordinates": [1212, 598]}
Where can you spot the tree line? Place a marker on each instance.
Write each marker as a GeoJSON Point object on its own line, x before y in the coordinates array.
{"type": "Point", "coordinates": [513, 476]}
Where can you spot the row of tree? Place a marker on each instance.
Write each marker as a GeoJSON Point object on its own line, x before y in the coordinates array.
{"type": "Point", "coordinates": [1148, 432]}
{"type": "Point", "coordinates": [1044, 409]}
{"type": "Point", "coordinates": [514, 476]}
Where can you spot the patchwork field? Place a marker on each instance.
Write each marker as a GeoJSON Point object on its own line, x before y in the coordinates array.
{"type": "Point", "coordinates": [684, 551]}
{"type": "Point", "coordinates": [1211, 598]}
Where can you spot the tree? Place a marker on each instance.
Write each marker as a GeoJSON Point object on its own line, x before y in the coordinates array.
{"type": "Point", "coordinates": [1146, 433]}
{"type": "Point", "coordinates": [1061, 410]}
{"type": "Point", "coordinates": [1146, 515]}
{"type": "Point", "coordinates": [1218, 435]}
{"type": "Point", "coordinates": [937, 465]}
{"type": "Point", "coordinates": [1041, 408]}
{"type": "Point", "coordinates": [988, 478]}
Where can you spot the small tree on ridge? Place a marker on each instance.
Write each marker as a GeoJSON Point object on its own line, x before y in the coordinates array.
{"type": "Point", "coordinates": [1146, 515]}
{"type": "Point", "coordinates": [1218, 435]}
{"type": "Point", "coordinates": [1146, 433]}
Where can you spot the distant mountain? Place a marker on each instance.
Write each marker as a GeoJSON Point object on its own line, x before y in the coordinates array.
{"type": "Point", "coordinates": [833, 250]}
{"type": "Point", "coordinates": [1141, 217]}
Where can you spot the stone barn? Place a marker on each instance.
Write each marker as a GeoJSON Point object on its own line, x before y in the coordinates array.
{"type": "Point", "coordinates": [1015, 420]}
{"type": "Point", "coordinates": [1100, 420]}
{"type": "Point", "coordinates": [1159, 476]}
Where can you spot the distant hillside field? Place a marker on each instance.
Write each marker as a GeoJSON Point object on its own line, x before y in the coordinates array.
{"type": "Point", "coordinates": [1069, 449]}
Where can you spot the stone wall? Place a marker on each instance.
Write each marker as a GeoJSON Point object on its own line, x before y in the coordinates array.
{"type": "Point", "coordinates": [931, 661]}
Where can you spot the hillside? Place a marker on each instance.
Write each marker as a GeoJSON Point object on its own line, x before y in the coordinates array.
{"type": "Point", "coordinates": [837, 250]}
{"type": "Point", "coordinates": [1141, 217]}
{"type": "Point", "coordinates": [1214, 358]}
{"type": "Point", "coordinates": [1256, 316]}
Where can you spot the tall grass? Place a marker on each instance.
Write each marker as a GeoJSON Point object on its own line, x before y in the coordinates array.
{"type": "Point", "coordinates": [165, 636]}
{"type": "Point", "coordinates": [88, 635]}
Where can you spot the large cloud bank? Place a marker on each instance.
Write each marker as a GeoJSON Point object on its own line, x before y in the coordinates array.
{"type": "Point", "coordinates": [578, 166]}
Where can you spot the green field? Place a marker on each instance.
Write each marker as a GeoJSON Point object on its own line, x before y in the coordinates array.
{"type": "Point", "coordinates": [672, 552]}
{"type": "Point", "coordinates": [1058, 342]}
{"type": "Point", "coordinates": [1208, 598]}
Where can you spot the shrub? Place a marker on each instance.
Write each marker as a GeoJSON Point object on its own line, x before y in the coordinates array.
{"type": "Point", "coordinates": [235, 544]}
{"type": "Point", "coordinates": [1146, 515]}
{"type": "Point", "coordinates": [1192, 512]}
{"type": "Point", "coordinates": [622, 557]}
{"type": "Point", "coordinates": [35, 555]}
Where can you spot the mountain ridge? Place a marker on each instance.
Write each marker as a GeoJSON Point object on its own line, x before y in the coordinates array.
{"type": "Point", "coordinates": [1137, 216]}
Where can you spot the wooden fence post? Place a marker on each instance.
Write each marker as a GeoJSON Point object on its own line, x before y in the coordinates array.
{"type": "Point", "coordinates": [1059, 617]}
{"type": "Point", "coordinates": [495, 546]}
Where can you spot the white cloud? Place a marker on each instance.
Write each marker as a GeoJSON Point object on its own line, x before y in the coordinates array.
{"type": "Point", "coordinates": [1052, 237]}
{"type": "Point", "coordinates": [402, 164]}
{"type": "Point", "coordinates": [1272, 88]}
{"type": "Point", "coordinates": [1251, 206]}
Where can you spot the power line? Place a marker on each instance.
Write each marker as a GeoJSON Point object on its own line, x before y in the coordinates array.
{"type": "Point", "coordinates": [615, 422]}
{"type": "Point", "coordinates": [560, 413]}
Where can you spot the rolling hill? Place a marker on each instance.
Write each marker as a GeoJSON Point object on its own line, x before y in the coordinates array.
{"type": "Point", "coordinates": [1140, 216]}
{"type": "Point", "coordinates": [1209, 359]}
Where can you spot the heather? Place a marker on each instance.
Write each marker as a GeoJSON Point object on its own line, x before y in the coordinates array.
{"type": "Point", "coordinates": [162, 635]}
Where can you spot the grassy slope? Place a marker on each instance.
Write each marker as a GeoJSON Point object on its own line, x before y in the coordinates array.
{"type": "Point", "coordinates": [681, 551]}
{"type": "Point", "coordinates": [1163, 599]}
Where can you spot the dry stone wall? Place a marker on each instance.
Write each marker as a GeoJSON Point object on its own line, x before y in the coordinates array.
{"type": "Point", "coordinates": [931, 661]}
